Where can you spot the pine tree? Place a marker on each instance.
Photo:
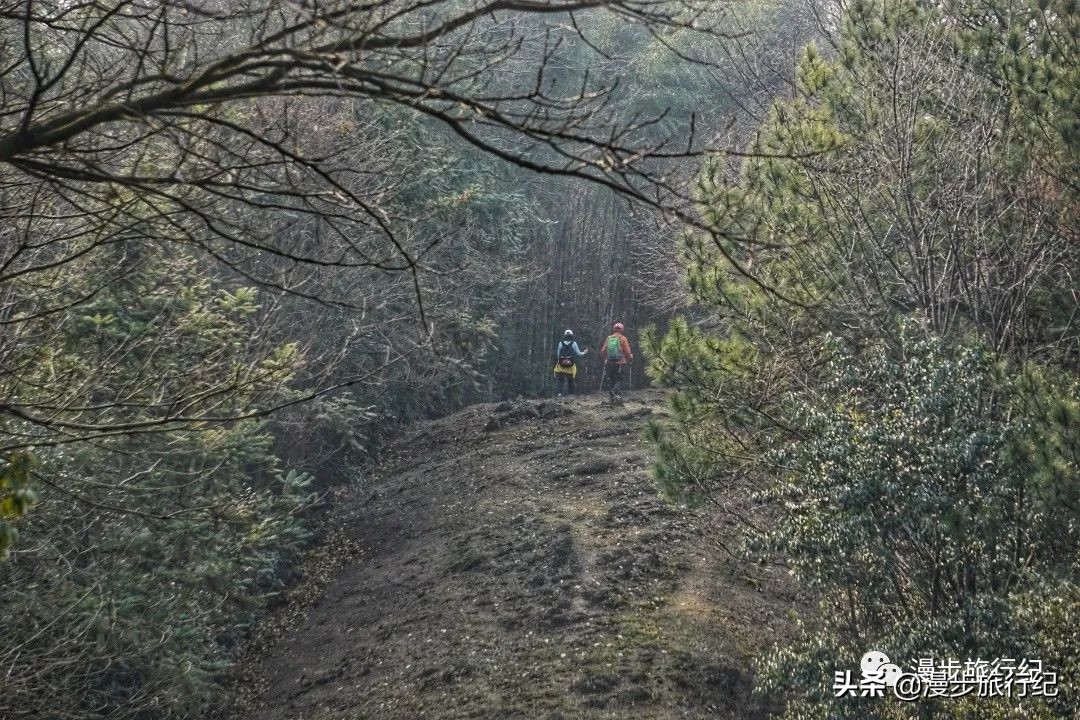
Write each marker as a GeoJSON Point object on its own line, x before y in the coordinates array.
{"type": "Point", "coordinates": [921, 177]}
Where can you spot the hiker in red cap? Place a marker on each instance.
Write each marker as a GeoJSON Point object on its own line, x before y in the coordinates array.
{"type": "Point", "coordinates": [616, 355]}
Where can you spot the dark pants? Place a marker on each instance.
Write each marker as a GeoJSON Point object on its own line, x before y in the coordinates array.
{"type": "Point", "coordinates": [564, 378]}
{"type": "Point", "coordinates": [613, 373]}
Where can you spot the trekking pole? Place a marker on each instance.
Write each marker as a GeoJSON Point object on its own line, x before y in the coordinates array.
{"type": "Point", "coordinates": [600, 361]}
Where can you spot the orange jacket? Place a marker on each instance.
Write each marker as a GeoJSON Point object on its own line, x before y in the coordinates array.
{"type": "Point", "coordinates": [624, 344]}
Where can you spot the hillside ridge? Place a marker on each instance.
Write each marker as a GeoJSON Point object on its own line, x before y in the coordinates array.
{"type": "Point", "coordinates": [515, 560]}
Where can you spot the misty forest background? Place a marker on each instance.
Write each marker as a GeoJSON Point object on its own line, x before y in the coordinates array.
{"type": "Point", "coordinates": [242, 242]}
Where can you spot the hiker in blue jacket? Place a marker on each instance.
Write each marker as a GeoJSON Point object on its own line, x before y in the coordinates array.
{"type": "Point", "coordinates": [566, 354]}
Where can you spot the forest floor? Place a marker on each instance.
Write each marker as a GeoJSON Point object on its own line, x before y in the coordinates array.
{"type": "Point", "coordinates": [515, 561]}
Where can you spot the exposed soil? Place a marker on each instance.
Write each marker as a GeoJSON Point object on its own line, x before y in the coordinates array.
{"type": "Point", "coordinates": [515, 561]}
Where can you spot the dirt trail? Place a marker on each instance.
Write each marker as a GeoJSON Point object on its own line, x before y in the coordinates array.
{"type": "Point", "coordinates": [515, 561]}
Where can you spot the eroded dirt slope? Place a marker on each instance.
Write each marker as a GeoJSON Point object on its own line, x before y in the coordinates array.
{"type": "Point", "coordinates": [515, 561]}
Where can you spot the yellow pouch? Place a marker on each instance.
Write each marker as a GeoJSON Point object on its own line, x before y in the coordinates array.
{"type": "Point", "coordinates": [571, 371]}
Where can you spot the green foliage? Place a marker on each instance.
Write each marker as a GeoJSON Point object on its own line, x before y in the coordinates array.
{"type": "Point", "coordinates": [1048, 449]}
{"type": "Point", "coordinates": [924, 532]}
{"type": "Point", "coordinates": [703, 447]}
{"type": "Point", "coordinates": [150, 550]}
{"type": "Point", "coordinates": [906, 422]}
{"type": "Point", "coordinates": [16, 496]}
{"type": "Point", "coordinates": [874, 189]}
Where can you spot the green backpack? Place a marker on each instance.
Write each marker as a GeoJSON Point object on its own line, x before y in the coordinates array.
{"type": "Point", "coordinates": [614, 348]}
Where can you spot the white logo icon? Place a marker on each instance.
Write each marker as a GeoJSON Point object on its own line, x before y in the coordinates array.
{"type": "Point", "coordinates": [877, 670]}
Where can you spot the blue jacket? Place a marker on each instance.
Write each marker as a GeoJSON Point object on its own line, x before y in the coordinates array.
{"type": "Point", "coordinates": [573, 346]}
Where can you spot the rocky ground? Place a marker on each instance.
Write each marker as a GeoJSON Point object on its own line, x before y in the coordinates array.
{"type": "Point", "coordinates": [515, 561]}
